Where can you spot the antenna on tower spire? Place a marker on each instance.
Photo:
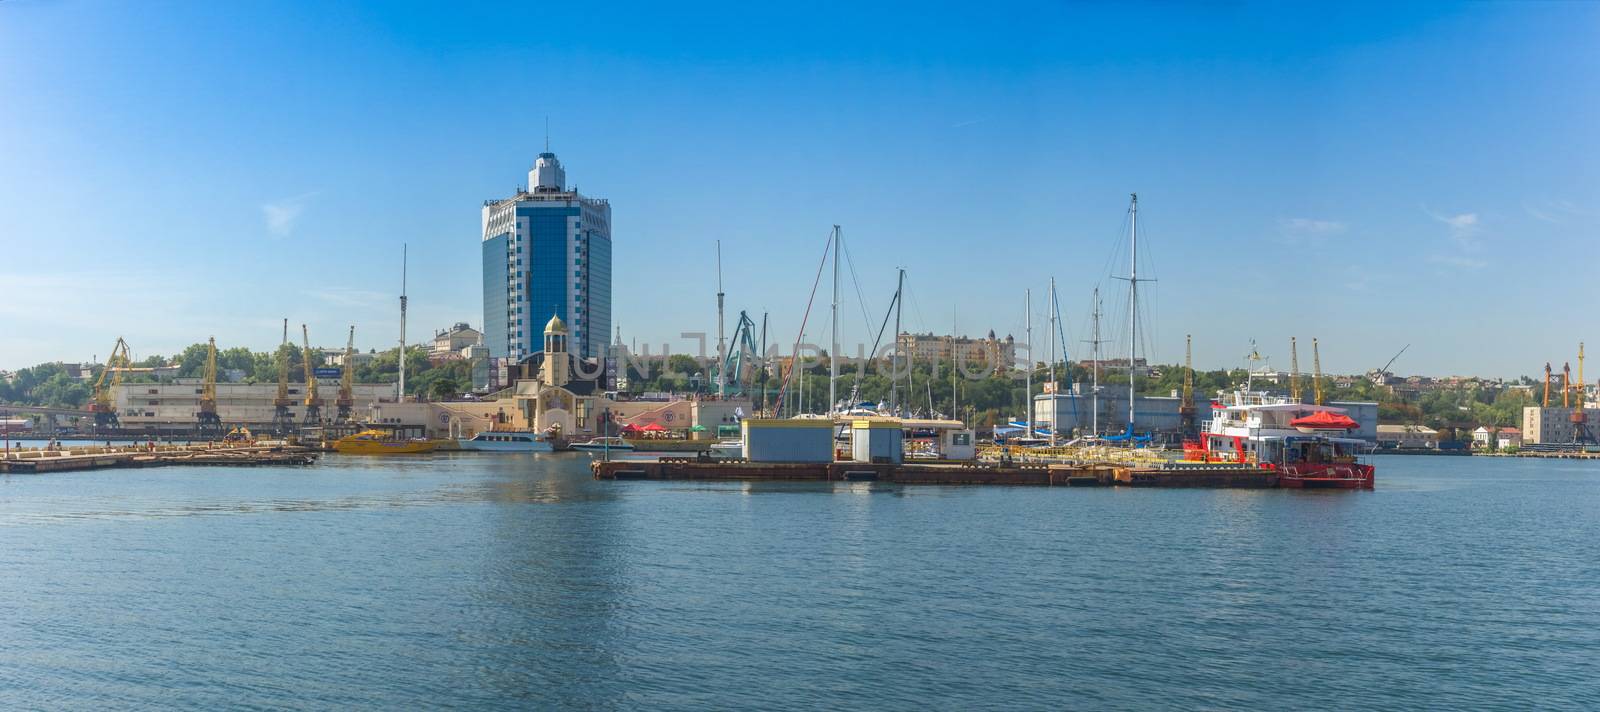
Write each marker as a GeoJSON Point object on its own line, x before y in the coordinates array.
{"type": "Point", "coordinates": [547, 133]}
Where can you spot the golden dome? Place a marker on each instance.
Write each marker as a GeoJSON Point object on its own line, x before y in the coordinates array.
{"type": "Point", "coordinates": [556, 326]}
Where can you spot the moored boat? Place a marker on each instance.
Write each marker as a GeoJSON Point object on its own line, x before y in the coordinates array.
{"type": "Point", "coordinates": [379, 442]}
{"type": "Point", "coordinates": [603, 444]}
{"type": "Point", "coordinates": [506, 441]}
{"type": "Point", "coordinates": [1302, 443]}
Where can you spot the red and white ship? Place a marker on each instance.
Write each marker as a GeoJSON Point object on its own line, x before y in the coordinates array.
{"type": "Point", "coordinates": [1303, 443]}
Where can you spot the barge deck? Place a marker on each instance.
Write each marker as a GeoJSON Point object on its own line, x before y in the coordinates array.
{"type": "Point", "coordinates": [1040, 475]}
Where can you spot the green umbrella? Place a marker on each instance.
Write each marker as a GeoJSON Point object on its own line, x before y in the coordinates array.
{"type": "Point", "coordinates": [698, 428]}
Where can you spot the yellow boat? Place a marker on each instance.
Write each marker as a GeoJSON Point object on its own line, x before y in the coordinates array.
{"type": "Point", "coordinates": [378, 442]}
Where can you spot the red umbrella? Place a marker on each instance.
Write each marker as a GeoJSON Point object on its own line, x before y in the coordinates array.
{"type": "Point", "coordinates": [654, 428]}
{"type": "Point", "coordinates": [630, 428]}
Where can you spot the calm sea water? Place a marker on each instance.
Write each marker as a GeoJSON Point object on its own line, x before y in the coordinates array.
{"type": "Point", "coordinates": [518, 582]}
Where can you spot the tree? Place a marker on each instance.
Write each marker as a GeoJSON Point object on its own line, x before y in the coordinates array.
{"type": "Point", "coordinates": [444, 388]}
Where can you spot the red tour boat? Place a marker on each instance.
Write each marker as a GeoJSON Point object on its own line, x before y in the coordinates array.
{"type": "Point", "coordinates": [1301, 442]}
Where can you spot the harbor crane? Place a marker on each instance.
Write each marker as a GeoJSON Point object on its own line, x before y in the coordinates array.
{"type": "Point", "coordinates": [209, 426]}
{"type": "Point", "coordinates": [346, 397]}
{"type": "Point", "coordinates": [1186, 410]}
{"type": "Point", "coordinates": [313, 416]}
{"type": "Point", "coordinates": [1294, 371]}
{"type": "Point", "coordinates": [1316, 373]}
{"type": "Point", "coordinates": [730, 377]}
{"type": "Point", "coordinates": [1580, 418]}
{"type": "Point", "coordinates": [282, 418]}
{"type": "Point", "coordinates": [1566, 385]}
{"type": "Point", "coordinates": [105, 411]}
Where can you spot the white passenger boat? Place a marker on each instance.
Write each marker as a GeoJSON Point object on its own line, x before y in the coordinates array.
{"type": "Point", "coordinates": [603, 444]}
{"type": "Point", "coordinates": [506, 441]}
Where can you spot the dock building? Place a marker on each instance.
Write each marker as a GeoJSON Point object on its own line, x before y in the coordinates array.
{"type": "Point", "coordinates": [160, 407]}
{"type": "Point", "coordinates": [1553, 425]}
{"type": "Point", "coordinates": [546, 250]}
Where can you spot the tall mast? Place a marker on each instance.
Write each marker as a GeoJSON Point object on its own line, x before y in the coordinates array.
{"type": "Point", "coordinates": [722, 363]}
{"type": "Point", "coordinates": [1133, 312]}
{"type": "Point", "coordinates": [833, 348]}
{"type": "Point", "coordinates": [1027, 393]}
{"type": "Point", "coordinates": [1053, 386]}
{"type": "Point", "coordinates": [1094, 384]}
{"type": "Point", "coordinates": [400, 395]}
{"type": "Point", "coordinates": [953, 369]}
{"type": "Point", "coordinates": [894, 368]}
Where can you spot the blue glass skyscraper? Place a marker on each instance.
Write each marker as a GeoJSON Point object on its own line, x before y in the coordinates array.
{"type": "Point", "coordinates": [546, 252]}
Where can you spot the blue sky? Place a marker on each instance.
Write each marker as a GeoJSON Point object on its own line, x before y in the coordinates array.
{"type": "Point", "coordinates": [1371, 175]}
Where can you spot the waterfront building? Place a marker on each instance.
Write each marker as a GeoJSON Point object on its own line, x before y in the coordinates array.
{"type": "Point", "coordinates": [557, 388]}
{"type": "Point", "coordinates": [1408, 437]}
{"type": "Point", "coordinates": [1553, 425]}
{"type": "Point", "coordinates": [1074, 412]}
{"type": "Point", "coordinates": [546, 250]}
{"type": "Point", "coordinates": [451, 341]}
{"type": "Point", "coordinates": [175, 405]}
{"type": "Point", "coordinates": [1001, 354]}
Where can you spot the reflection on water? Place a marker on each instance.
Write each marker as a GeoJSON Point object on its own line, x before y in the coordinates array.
{"type": "Point", "coordinates": [518, 581]}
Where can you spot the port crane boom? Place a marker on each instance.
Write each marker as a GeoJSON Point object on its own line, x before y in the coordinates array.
{"type": "Point", "coordinates": [346, 397]}
{"type": "Point", "coordinates": [105, 411]}
{"type": "Point", "coordinates": [282, 419]}
{"type": "Point", "coordinates": [209, 426]}
{"type": "Point", "coordinates": [1316, 372]}
{"type": "Point", "coordinates": [1294, 371]}
{"type": "Point", "coordinates": [1186, 410]}
{"type": "Point", "coordinates": [313, 416]}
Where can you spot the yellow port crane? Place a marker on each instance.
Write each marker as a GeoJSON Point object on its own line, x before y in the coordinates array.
{"type": "Point", "coordinates": [347, 379]}
{"type": "Point", "coordinates": [313, 403]}
{"type": "Point", "coordinates": [1316, 372]}
{"type": "Point", "coordinates": [209, 426]}
{"type": "Point", "coordinates": [105, 411]}
{"type": "Point", "coordinates": [1580, 419]}
{"type": "Point", "coordinates": [282, 417]}
{"type": "Point", "coordinates": [1294, 371]}
{"type": "Point", "coordinates": [1186, 407]}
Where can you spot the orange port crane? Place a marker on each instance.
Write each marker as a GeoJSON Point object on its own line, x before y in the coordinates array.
{"type": "Point", "coordinates": [105, 411]}
{"type": "Point", "coordinates": [313, 403]}
{"type": "Point", "coordinates": [347, 378]}
{"type": "Point", "coordinates": [209, 426]}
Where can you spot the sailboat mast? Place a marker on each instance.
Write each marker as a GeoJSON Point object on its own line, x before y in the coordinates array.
{"type": "Point", "coordinates": [1133, 311]}
{"type": "Point", "coordinates": [1027, 393]}
{"type": "Point", "coordinates": [833, 349]}
{"type": "Point", "coordinates": [953, 369]}
{"type": "Point", "coordinates": [400, 393]}
{"type": "Point", "coordinates": [1053, 387]}
{"type": "Point", "coordinates": [1094, 385]}
{"type": "Point", "coordinates": [894, 368]}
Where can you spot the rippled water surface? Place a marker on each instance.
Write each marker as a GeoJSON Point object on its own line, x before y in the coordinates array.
{"type": "Point", "coordinates": [517, 581]}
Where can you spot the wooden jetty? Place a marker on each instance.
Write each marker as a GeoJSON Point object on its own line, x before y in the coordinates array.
{"type": "Point", "coordinates": [924, 473]}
